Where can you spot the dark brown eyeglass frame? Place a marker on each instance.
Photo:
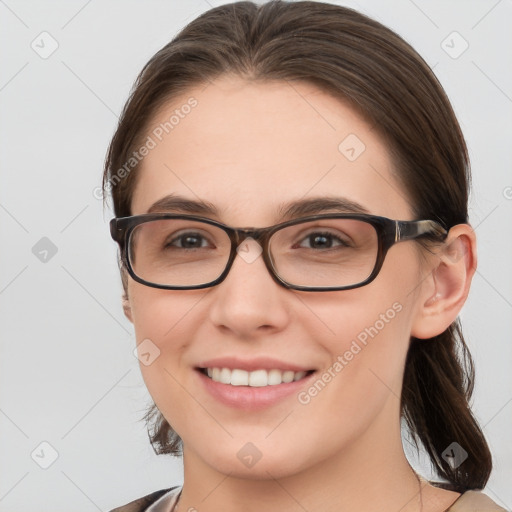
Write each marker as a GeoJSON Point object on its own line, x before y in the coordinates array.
{"type": "Point", "coordinates": [389, 232]}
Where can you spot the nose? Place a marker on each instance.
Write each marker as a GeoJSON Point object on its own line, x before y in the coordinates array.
{"type": "Point", "coordinates": [249, 302]}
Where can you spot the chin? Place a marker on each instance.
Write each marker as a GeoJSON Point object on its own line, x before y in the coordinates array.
{"type": "Point", "coordinates": [247, 461]}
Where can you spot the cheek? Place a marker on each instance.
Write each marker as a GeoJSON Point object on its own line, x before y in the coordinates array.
{"type": "Point", "coordinates": [160, 314]}
{"type": "Point", "coordinates": [366, 332]}
{"type": "Point", "coordinates": [368, 345]}
{"type": "Point", "coordinates": [163, 322]}
{"type": "Point", "coordinates": [364, 375]}
{"type": "Point", "coordinates": [382, 309]}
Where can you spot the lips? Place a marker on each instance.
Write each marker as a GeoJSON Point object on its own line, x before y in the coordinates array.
{"type": "Point", "coordinates": [252, 384]}
{"type": "Point", "coordinates": [249, 365]}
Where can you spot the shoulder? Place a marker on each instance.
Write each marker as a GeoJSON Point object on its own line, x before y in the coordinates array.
{"type": "Point", "coordinates": [475, 501]}
{"type": "Point", "coordinates": [469, 500]}
{"type": "Point", "coordinates": [142, 504]}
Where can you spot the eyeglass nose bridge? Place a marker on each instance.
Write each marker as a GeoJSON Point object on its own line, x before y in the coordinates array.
{"type": "Point", "coordinates": [239, 235]}
{"type": "Point", "coordinates": [259, 235]}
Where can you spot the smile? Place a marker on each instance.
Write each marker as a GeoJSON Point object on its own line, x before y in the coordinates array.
{"type": "Point", "coordinates": [256, 378]}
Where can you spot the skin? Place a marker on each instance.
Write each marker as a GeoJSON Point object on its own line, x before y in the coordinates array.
{"type": "Point", "coordinates": [247, 147]}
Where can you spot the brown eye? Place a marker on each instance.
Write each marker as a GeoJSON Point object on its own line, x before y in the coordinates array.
{"type": "Point", "coordinates": [189, 240]}
{"type": "Point", "coordinates": [324, 240]}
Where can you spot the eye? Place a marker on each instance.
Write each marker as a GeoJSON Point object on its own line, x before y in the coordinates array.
{"type": "Point", "coordinates": [324, 240]}
{"type": "Point", "coordinates": [187, 240]}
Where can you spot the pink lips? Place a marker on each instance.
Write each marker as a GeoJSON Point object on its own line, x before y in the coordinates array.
{"type": "Point", "coordinates": [258, 363]}
{"type": "Point", "coordinates": [247, 397]}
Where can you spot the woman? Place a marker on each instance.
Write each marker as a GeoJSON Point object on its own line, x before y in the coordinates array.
{"type": "Point", "coordinates": [290, 189]}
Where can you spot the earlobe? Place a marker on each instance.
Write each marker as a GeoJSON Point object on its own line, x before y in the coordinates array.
{"type": "Point", "coordinates": [447, 287]}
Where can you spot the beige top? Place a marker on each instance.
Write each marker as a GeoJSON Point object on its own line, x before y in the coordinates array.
{"type": "Point", "coordinates": [475, 501]}
{"type": "Point", "coordinates": [470, 501]}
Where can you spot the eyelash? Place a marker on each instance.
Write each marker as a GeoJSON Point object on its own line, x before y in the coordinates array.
{"type": "Point", "coordinates": [327, 234]}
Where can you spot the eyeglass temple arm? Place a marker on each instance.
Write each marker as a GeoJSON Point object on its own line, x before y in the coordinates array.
{"type": "Point", "coordinates": [408, 230]}
{"type": "Point", "coordinates": [115, 232]}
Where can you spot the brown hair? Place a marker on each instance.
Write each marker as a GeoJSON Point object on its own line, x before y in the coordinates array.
{"type": "Point", "coordinates": [359, 60]}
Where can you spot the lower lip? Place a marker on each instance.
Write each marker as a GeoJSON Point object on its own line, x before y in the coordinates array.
{"type": "Point", "coordinates": [249, 397]}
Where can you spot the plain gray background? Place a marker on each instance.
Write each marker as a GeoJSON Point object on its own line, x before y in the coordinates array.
{"type": "Point", "coordinates": [68, 376]}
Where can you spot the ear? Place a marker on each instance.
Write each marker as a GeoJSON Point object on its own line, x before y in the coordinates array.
{"type": "Point", "coordinates": [446, 289]}
{"type": "Point", "coordinates": [127, 309]}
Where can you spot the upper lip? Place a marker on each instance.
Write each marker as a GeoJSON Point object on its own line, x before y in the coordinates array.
{"type": "Point", "coordinates": [258, 363]}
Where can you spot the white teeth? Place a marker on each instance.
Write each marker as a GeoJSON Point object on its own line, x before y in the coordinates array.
{"type": "Point", "coordinates": [235, 377]}
{"type": "Point", "coordinates": [288, 376]}
{"type": "Point", "coordinates": [274, 377]}
{"type": "Point", "coordinates": [225, 376]}
{"type": "Point", "coordinates": [257, 378]}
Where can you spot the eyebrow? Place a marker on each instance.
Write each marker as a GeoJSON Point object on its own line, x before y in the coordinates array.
{"type": "Point", "coordinates": [286, 211]}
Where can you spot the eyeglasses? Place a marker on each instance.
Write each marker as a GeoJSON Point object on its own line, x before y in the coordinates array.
{"type": "Point", "coordinates": [317, 253]}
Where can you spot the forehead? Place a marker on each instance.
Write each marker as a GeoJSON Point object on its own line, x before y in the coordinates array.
{"type": "Point", "coordinates": [248, 147]}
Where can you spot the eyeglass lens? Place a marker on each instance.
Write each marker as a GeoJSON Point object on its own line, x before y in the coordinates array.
{"type": "Point", "coordinates": [321, 253]}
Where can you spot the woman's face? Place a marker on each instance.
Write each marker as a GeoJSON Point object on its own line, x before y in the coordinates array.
{"type": "Point", "coordinates": [249, 148]}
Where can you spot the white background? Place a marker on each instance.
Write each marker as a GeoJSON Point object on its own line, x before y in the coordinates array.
{"type": "Point", "coordinates": [67, 372]}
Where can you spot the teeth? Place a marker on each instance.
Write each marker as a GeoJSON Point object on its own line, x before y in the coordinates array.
{"type": "Point", "coordinates": [274, 377]}
{"type": "Point", "coordinates": [257, 378]}
{"type": "Point", "coordinates": [234, 377]}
